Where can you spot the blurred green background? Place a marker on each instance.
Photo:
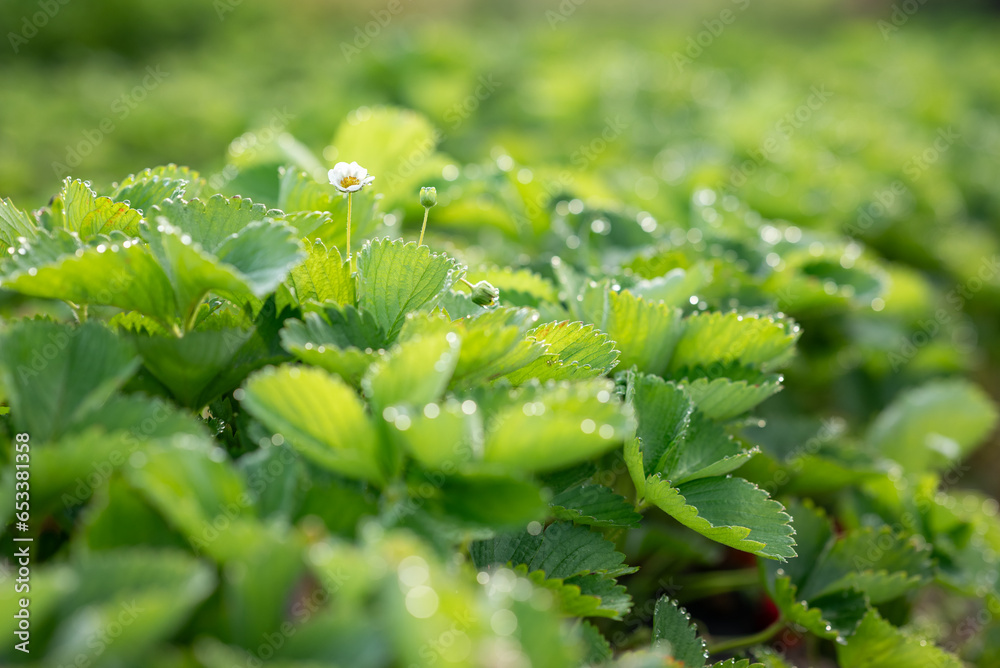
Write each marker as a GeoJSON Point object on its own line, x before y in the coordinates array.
{"type": "Point", "coordinates": [867, 119]}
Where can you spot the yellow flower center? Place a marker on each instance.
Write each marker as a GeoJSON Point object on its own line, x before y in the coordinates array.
{"type": "Point", "coordinates": [349, 181]}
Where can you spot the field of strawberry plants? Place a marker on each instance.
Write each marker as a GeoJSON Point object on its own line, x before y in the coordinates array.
{"type": "Point", "coordinates": [670, 351]}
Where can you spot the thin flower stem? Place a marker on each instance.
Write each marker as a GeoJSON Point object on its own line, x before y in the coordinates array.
{"type": "Point", "coordinates": [350, 258]}
{"type": "Point", "coordinates": [471, 286]}
{"type": "Point", "coordinates": [750, 640]}
{"type": "Point", "coordinates": [423, 227]}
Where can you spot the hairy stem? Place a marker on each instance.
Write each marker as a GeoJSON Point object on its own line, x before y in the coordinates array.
{"type": "Point", "coordinates": [423, 227]}
{"type": "Point", "coordinates": [350, 258]}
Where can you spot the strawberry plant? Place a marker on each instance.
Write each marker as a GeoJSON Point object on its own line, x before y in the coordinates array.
{"type": "Point", "coordinates": [274, 429]}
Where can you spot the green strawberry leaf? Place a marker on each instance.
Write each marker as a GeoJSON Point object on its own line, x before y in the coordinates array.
{"type": "Point", "coordinates": [594, 505]}
{"type": "Point", "coordinates": [675, 636]}
{"type": "Point", "coordinates": [396, 278]}
{"type": "Point", "coordinates": [338, 434]}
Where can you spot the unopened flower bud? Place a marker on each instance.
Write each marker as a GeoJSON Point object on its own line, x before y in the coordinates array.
{"type": "Point", "coordinates": [484, 294]}
{"type": "Point", "coordinates": [428, 197]}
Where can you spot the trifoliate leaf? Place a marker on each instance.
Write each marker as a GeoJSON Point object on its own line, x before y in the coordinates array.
{"type": "Point", "coordinates": [320, 416]}
{"type": "Point", "coordinates": [675, 636]}
{"type": "Point", "coordinates": [828, 588]}
{"type": "Point", "coordinates": [396, 278]}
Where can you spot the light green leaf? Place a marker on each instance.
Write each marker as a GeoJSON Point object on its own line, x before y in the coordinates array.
{"type": "Point", "coordinates": [533, 428]}
{"type": "Point", "coordinates": [729, 510]}
{"type": "Point", "coordinates": [492, 343]}
{"type": "Point", "coordinates": [583, 595]}
{"type": "Point", "coordinates": [673, 288]}
{"type": "Point", "coordinates": [644, 332]}
{"type": "Point", "coordinates": [143, 596]}
{"type": "Point", "coordinates": [675, 635]}
{"type": "Point", "coordinates": [14, 224]}
{"type": "Point", "coordinates": [574, 352]}
{"type": "Point", "coordinates": [78, 209]}
{"type": "Point", "coordinates": [394, 145]}
{"type": "Point", "coordinates": [929, 426]}
{"type": "Point", "coordinates": [414, 372]}
{"type": "Point", "coordinates": [345, 343]}
{"type": "Point", "coordinates": [723, 398]}
{"type": "Point", "coordinates": [722, 338]}
{"type": "Point", "coordinates": [210, 222]}
{"type": "Point", "coordinates": [879, 644]}
{"type": "Point", "coordinates": [439, 436]}
{"type": "Point", "coordinates": [320, 416]}
{"type": "Point", "coordinates": [323, 277]}
{"type": "Point", "coordinates": [150, 187]}
{"type": "Point", "coordinates": [396, 278]}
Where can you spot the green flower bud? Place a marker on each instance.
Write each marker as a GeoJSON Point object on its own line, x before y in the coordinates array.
{"type": "Point", "coordinates": [484, 294]}
{"type": "Point", "coordinates": [428, 197]}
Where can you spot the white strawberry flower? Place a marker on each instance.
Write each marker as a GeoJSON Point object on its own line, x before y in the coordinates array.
{"type": "Point", "coordinates": [349, 177]}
